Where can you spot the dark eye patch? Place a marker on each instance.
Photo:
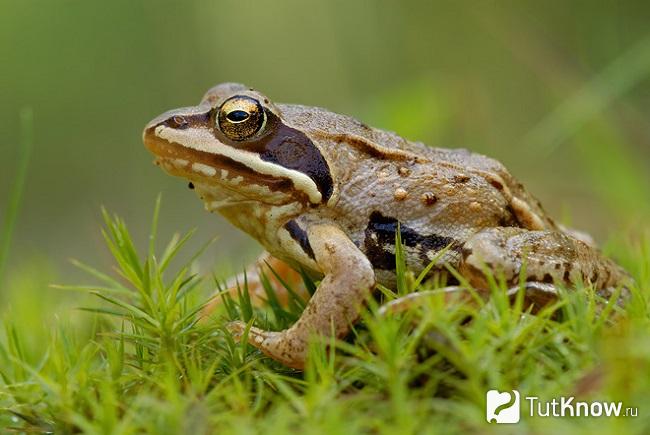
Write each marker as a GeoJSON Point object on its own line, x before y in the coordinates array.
{"type": "Point", "coordinates": [294, 150]}
{"type": "Point", "coordinates": [237, 116]}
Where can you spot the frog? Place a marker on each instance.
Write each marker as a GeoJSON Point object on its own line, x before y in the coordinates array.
{"type": "Point", "coordinates": [326, 194]}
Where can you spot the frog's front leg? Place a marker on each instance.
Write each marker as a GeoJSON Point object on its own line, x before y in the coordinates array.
{"type": "Point", "coordinates": [348, 281]}
{"type": "Point", "coordinates": [549, 258]}
{"type": "Point", "coordinates": [275, 270]}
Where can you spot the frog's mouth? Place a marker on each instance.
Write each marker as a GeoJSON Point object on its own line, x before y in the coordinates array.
{"type": "Point", "coordinates": [217, 171]}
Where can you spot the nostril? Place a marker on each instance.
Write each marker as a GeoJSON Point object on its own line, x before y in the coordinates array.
{"type": "Point", "coordinates": [177, 121]}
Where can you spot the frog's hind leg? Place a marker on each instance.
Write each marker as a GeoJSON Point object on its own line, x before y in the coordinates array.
{"type": "Point", "coordinates": [275, 270]}
{"type": "Point", "coordinates": [412, 300]}
{"type": "Point", "coordinates": [543, 259]}
{"type": "Point", "coordinates": [547, 260]}
{"type": "Point", "coordinates": [536, 295]}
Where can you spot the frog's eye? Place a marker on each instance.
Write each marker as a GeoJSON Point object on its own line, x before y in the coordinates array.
{"type": "Point", "coordinates": [241, 117]}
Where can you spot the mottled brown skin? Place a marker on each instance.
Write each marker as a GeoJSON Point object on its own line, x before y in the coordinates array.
{"type": "Point", "coordinates": [326, 193]}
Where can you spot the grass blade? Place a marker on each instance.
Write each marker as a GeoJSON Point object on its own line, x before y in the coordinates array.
{"type": "Point", "coordinates": [16, 195]}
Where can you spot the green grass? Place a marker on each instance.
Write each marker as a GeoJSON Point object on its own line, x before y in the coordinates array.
{"type": "Point", "coordinates": [13, 204]}
{"type": "Point", "coordinates": [144, 361]}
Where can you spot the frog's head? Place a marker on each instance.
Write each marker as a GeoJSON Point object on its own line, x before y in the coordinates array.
{"type": "Point", "coordinates": [235, 146]}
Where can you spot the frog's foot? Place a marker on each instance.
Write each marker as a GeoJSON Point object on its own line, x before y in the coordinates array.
{"type": "Point", "coordinates": [280, 346]}
{"type": "Point", "coordinates": [536, 295]}
{"type": "Point", "coordinates": [276, 271]}
{"type": "Point", "coordinates": [412, 300]}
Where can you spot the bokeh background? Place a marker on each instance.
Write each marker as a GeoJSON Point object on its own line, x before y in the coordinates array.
{"type": "Point", "coordinates": [558, 91]}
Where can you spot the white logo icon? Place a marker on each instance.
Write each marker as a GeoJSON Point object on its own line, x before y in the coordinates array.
{"type": "Point", "coordinates": [502, 407]}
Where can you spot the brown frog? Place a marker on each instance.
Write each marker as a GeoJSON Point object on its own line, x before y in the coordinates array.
{"type": "Point", "coordinates": [326, 193]}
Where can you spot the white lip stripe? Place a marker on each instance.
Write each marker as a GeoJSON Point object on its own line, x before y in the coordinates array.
{"type": "Point", "coordinates": [204, 169]}
{"type": "Point", "coordinates": [203, 140]}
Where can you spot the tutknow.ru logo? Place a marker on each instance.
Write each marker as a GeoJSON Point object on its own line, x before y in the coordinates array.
{"type": "Point", "coordinates": [505, 407]}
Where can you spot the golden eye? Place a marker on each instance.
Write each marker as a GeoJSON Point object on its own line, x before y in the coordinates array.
{"type": "Point", "coordinates": [241, 117]}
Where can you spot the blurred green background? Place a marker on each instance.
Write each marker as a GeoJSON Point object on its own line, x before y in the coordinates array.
{"type": "Point", "coordinates": [558, 91]}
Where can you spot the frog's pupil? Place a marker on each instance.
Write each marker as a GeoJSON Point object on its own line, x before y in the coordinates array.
{"type": "Point", "coordinates": [237, 116]}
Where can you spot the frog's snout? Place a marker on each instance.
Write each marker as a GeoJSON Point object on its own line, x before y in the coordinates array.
{"type": "Point", "coordinates": [149, 136]}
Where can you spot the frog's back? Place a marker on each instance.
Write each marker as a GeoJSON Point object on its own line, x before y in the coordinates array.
{"type": "Point", "coordinates": [373, 151]}
{"type": "Point", "coordinates": [321, 122]}
{"type": "Point", "coordinates": [377, 142]}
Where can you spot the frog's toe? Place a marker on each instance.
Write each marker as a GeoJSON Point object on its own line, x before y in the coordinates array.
{"type": "Point", "coordinates": [237, 329]}
{"type": "Point", "coordinates": [256, 336]}
{"type": "Point", "coordinates": [537, 295]}
{"type": "Point", "coordinates": [274, 344]}
{"type": "Point", "coordinates": [413, 300]}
